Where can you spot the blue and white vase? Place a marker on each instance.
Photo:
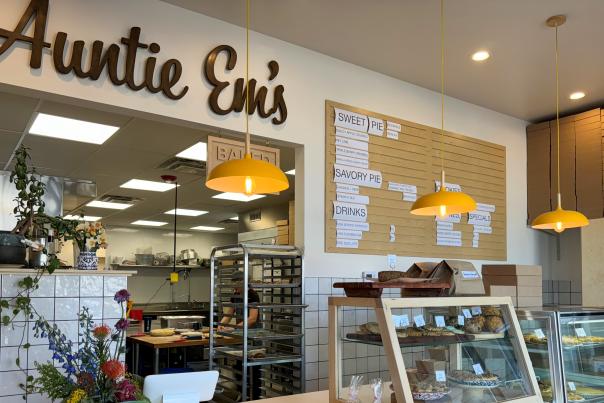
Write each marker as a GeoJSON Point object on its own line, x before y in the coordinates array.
{"type": "Point", "coordinates": [87, 261]}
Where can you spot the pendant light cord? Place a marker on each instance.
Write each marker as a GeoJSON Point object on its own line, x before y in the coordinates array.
{"type": "Point", "coordinates": [442, 86]}
{"type": "Point", "coordinates": [557, 120]}
{"type": "Point", "coordinates": [247, 80]}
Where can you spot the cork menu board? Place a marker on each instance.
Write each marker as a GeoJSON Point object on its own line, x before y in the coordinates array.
{"type": "Point", "coordinates": [376, 166]}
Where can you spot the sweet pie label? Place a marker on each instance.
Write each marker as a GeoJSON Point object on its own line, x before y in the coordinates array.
{"type": "Point", "coordinates": [440, 376]}
{"type": "Point", "coordinates": [440, 321]}
{"type": "Point", "coordinates": [419, 320]}
{"type": "Point", "coordinates": [539, 333]}
{"type": "Point", "coordinates": [467, 313]}
{"type": "Point", "coordinates": [478, 369]}
{"type": "Point", "coordinates": [461, 320]}
{"type": "Point", "coordinates": [580, 332]}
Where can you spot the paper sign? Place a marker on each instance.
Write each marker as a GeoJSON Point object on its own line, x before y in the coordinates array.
{"type": "Point", "coordinates": [454, 218]}
{"type": "Point", "coordinates": [392, 228]}
{"type": "Point", "coordinates": [376, 126]}
{"type": "Point", "coordinates": [357, 176]}
{"type": "Point", "coordinates": [349, 211]}
{"type": "Point", "coordinates": [440, 321]}
{"type": "Point", "coordinates": [392, 237]}
{"type": "Point", "coordinates": [410, 197]}
{"type": "Point", "coordinates": [580, 332]}
{"type": "Point", "coordinates": [402, 187]}
{"type": "Point", "coordinates": [440, 376]}
{"type": "Point", "coordinates": [394, 126]}
{"type": "Point", "coordinates": [347, 243]}
{"type": "Point", "coordinates": [347, 197]}
{"type": "Point", "coordinates": [448, 242]}
{"type": "Point", "coordinates": [479, 218]}
{"type": "Point", "coordinates": [443, 233]}
{"type": "Point", "coordinates": [478, 369]}
{"type": "Point", "coordinates": [482, 229]}
{"type": "Point", "coordinates": [451, 187]}
{"type": "Point", "coordinates": [475, 243]}
{"type": "Point", "coordinates": [400, 321]}
{"type": "Point", "coordinates": [352, 152]}
{"type": "Point", "coordinates": [350, 120]}
{"type": "Point", "coordinates": [539, 333]}
{"type": "Point", "coordinates": [466, 313]}
{"type": "Point", "coordinates": [349, 234]}
{"type": "Point", "coordinates": [461, 320]}
{"type": "Point", "coordinates": [469, 275]}
{"type": "Point", "coordinates": [358, 226]}
{"type": "Point", "coordinates": [392, 261]}
{"type": "Point", "coordinates": [444, 225]}
{"type": "Point", "coordinates": [344, 188]}
{"type": "Point", "coordinates": [572, 386]}
{"type": "Point", "coordinates": [485, 207]}
{"type": "Point", "coordinates": [391, 134]}
{"type": "Point", "coordinates": [353, 162]}
{"type": "Point", "coordinates": [346, 142]}
{"type": "Point", "coordinates": [476, 310]}
{"type": "Point", "coordinates": [351, 134]}
{"type": "Point", "coordinates": [419, 320]}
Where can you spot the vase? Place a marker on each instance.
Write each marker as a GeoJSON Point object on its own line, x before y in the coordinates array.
{"type": "Point", "coordinates": [87, 261]}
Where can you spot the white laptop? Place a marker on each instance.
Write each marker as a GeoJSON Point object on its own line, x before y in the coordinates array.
{"type": "Point", "coordinates": [187, 387]}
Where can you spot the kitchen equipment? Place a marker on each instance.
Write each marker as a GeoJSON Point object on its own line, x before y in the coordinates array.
{"type": "Point", "coordinates": [161, 259]}
{"type": "Point", "coordinates": [144, 259]}
{"type": "Point", "coordinates": [188, 256]}
{"type": "Point", "coordinates": [36, 255]}
{"type": "Point", "coordinates": [181, 322]}
{"type": "Point", "coordinates": [12, 251]}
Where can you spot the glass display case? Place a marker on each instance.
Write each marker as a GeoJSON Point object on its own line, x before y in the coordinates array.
{"type": "Point", "coordinates": [576, 369]}
{"type": "Point", "coordinates": [464, 349]}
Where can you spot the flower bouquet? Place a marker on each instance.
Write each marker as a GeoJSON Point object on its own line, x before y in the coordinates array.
{"type": "Point", "coordinates": [89, 237]}
{"type": "Point", "coordinates": [94, 371]}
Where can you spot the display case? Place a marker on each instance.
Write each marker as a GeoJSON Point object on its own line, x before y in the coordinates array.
{"type": "Point", "coordinates": [576, 369]}
{"type": "Point", "coordinates": [458, 349]}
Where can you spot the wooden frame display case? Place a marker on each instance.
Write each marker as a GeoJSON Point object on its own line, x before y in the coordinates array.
{"type": "Point", "coordinates": [458, 349]}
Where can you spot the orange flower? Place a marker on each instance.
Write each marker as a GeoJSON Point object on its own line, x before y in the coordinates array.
{"type": "Point", "coordinates": [101, 332]}
{"type": "Point", "coordinates": [113, 369]}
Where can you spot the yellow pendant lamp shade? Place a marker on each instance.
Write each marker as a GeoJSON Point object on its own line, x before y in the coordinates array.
{"type": "Point", "coordinates": [247, 176]}
{"type": "Point", "coordinates": [443, 203]}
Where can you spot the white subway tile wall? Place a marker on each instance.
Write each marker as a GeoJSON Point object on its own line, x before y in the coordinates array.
{"type": "Point", "coordinates": [59, 299]}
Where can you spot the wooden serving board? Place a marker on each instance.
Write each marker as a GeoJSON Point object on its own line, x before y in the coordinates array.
{"type": "Point", "coordinates": [373, 289]}
{"type": "Point", "coordinates": [411, 341]}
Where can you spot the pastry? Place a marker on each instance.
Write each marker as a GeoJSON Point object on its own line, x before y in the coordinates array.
{"type": "Point", "coordinates": [491, 311]}
{"type": "Point", "coordinates": [534, 339]}
{"type": "Point", "coordinates": [469, 378]}
{"type": "Point", "coordinates": [589, 392]}
{"type": "Point", "coordinates": [546, 391]}
{"type": "Point", "coordinates": [370, 328]}
{"type": "Point", "coordinates": [574, 397]}
{"type": "Point", "coordinates": [494, 324]}
{"type": "Point", "coordinates": [475, 324]}
{"type": "Point", "coordinates": [162, 332]}
{"type": "Point", "coordinates": [571, 341]}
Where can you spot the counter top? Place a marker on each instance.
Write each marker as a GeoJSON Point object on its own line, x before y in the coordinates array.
{"type": "Point", "coordinates": [312, 397]}
{"type": "Point", "coordinates": [6, 269]}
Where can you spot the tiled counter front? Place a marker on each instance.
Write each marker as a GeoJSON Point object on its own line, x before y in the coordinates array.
{"type": "Point", "coordinates": [59, 299]}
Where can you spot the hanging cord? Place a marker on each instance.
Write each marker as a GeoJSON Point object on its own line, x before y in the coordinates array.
{"type": "Point", "coordinates": [247, 80]}
{"type": "Point", "coordinates": [442, 86]}
{"type": "Point", "coordinates": [557, 121]}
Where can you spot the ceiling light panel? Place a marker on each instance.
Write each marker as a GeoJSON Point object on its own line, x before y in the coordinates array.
{"type": "Point", "coordinates": [291, 172]}
{"type": "Point", "coordinates": [108, 205]}
{"type": "Point", "coordinates": [481, 56]}
{"type": "Point", "coordinates": [187, 212]}
{"type": "Point", "coordinates": [151, 186]}
{"type": "Point", "coordinates": [197, 152]}
{"type": "Point", "coordinates": [235, 218]}
{"type": "Point", "coordinates": [81, 218]}
{"type": "Point", "coordinates": [71, 129]}
{"type": "Point", "coordinates": [237, 197]}
{"type": "Point", "coordinates": [204, 228]}
{"type": "Point", "coordinates": [149, 223]}
{"type": "Point", "coordinates": [577, 95]}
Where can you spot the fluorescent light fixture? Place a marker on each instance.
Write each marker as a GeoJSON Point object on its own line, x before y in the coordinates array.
{"type": "Point", "coordinates": [178, 235]}
{"type": "Point", "coordinates": [235, 218]}
{"type": "Point", "coordinates": [149, 223]}
{"type": "Point", "coordinates": [577, 95]}
{"type": "Point", "coordinates": [204, 228]}
{"type": "Point", "coordinates": [237, 197]}
{"type": "Point", "coordinates": [109, 205]}
{"type": "Point", "coordinates": [291, 172]}
{"type": "Point", "coordinates": [71, 129]}
{"type": "Point", "coordinates": [78, 217]}
{"type": "Point", "coordinates": [186, 212]}
{"type": "Point", "coordinates": [125, 230]}
{"type": "Point", "coordinates": [480, 56]}
{"type": "Point", "coordinates": [151, 186]}
{"type": "Point", "coordinates": [197, 152]}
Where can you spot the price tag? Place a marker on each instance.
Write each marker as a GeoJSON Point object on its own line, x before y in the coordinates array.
{"type": "Point", "coordinates": [440, 376]}
{"type": "Point", "coordinates": [400, 321]}
{"type": "Point", "coordinates": [580, 332]}
{"type": "Point", "coordinates": [419, 320]}
{"type": "Point", "coordinates": [571, 386]}
{"type": "Point", "coordinates": [440, 321]}
{"type": "Point", "coordinates": [461, 320]}
{"type": "Point", "coordinates": [539, 333]}
{"type": "Point", "coordinates": [466, 313]}
{"type": "Point", "coordinates": [478, 369]}
{"type": "Point", "coordinates": [476, 310]}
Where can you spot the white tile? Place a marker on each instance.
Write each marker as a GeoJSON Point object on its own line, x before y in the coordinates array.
{"type": "Point", "coordinates": [323, 302]}
{"type": "Point", "coordinates": [323, 352]}
{"type": "Point", "coordinates": [8, 355]}
{"type": "Point", "coordinates": [95, 307]}
{"type": "Point", "coordinates": [325, 285]}
{"type": "Point", "coordinates": [323, 338]}
{"type": "Point", "coordinates": [311, 320]}
{"type": "Point", "coordinates": [111, 309]}
{"type": "Point", "coordinates": [39, 354]}
{"type": "Point", "coordinates": [337, 291]}
{"type": "Point", "coordinates": [323, 369]}
{"type": "Point", "coordinates": [312, 370]}
{"type": "Point", "coordinates": [45, 307]}
{"type": "Point", "coordinates": [67, 286]}
{"type": "Point", "coordinates": [361, 350]}
{"type": "Point", "coordinates": [9, 385]}
{"type": "Point", "coordinates": [349, 350]}
{"type": "Point", "coordinates": [37, 398]}
{"type": "Point", "coordinates": [373, 364]}
{"type": "Point", "coordinates": [16, 398]}
{"type": "Point", "coordinates": [311, 285]}
{"type": "Point", "coordinates": [13, 335]}
{"type": "Point", "coordinates": [91, 286]}
{"type": "Point", "coordinates": [361, 316]}
{"type": "Point", "coordinates": [46, 287]}
{"type": "Point", "coordinates": [349, 318]}
{"type": "Point", "coordinates": [70, 328]}
{"type": "Point", "coordinates": [10, 287]}
{"type": "Point", "coordinates": [312, 386]}
{"type": "Point", "coordinates": [311, 353]}
{"type": "Point", "coordinates": [323, 383]}
{"type": "Point", "coordinates": [323, 318]}
{"type": "Point", "coordinates": [361, 365]}
{"type": "Point", "coordinates": [311, 337]}
{"type": "Point", "coordinates": [349, 367]}
{"type": "Point", "coordinates": [67, 308]}
{"type": "Point", "coordinates": [312, 301]}
{"type": "Point", "coordinates": [113, 285]}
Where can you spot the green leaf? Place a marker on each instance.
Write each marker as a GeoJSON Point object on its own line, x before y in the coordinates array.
{"type": "Point", "coordinates": [26, 346]}
{"type": "Point", "coordinates": [4, 304]}
{"type": "Point", "coordinates": [6, 320]}
{"type": "Point", "coordinates": [18, 362]}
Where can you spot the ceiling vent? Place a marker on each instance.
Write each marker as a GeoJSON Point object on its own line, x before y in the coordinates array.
{"type": "Point", "coordinates": [119, 199]}
{"type": "Point", "coordinates": [185, 166]}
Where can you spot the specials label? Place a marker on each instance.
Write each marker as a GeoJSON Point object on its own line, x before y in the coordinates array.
{"type": "Point", "coordinates": [350, 120]}
{"type": "Point", "coordinates": [357, 176]}
{"type": "Point", "coordinates": [349, 211]}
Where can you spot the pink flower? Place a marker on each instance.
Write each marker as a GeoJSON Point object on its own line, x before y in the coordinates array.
{"type": "Point", "coordinates": [125, 390]}
{"type": "Point", "coordinates": [122, 296]}
{"type": "Point", "coordinates": [113, 369]}
{"type": "Point", "coordinates": [122, 324]}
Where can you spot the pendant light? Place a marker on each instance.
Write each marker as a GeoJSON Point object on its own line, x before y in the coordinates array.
{"type": "Point", "coordinates": [247, 175]}
{"type": "Point", "coordinates": [443, 203]}
{"type": "Point", "coordinates": [559, 219]}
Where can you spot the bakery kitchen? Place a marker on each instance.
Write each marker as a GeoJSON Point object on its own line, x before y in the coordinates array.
{"type": "Point", "coordinates": [167, 75]}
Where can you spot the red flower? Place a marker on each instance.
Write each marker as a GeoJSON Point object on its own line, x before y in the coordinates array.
{"type": "Point", "coordinates": [125, 390]}
{"type": "Point", "coordinates": [101, 332]}
{"type": "Point", "coordinates": [113, 369]}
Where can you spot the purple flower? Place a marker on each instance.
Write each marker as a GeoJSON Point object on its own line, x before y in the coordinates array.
{"type": "Point", "coordinates": [122, 296]}
{"type": "Point", "coordinates": [122, 324]}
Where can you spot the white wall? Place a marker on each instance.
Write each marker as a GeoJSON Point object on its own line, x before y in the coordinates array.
{"type": "Point", "coordinates": [309, 78]}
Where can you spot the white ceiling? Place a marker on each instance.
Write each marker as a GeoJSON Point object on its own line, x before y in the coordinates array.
{"type": "Point", "coordinates": [401, 38]}
{"type": "Point", "coordinates": [134, 151]}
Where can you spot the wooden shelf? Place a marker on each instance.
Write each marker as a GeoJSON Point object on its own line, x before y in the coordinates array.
{"type": "Point", "coordinates": [137, 266]}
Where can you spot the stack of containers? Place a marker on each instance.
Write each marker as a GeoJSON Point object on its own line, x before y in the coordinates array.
{"type": "Point", "coordinates": [523, 283]}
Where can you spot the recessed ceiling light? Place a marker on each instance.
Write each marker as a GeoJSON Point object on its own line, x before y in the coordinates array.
{"type": "Point", "coordinates": [235, 218]}
{"type": "Point", "coordinates": [577, 95]}
{"type": "Point", "coordinates": [197, 152]}
{"type": "Point", "coordinates": [109, 205]}
{"type": "Point", "coordinates": [178, 235]}
{"type": "Point", "coordinates": [126, 230]}
{"type": "Point", "coordinates": [78, 217]}
{"type": "Point", "coordinates": [147, 185]}
{"type": "Point", "coordinates": [480, 56]}
{"type": "Point", "coordinates": [204, 228]}
{"type": "Point", "coordinates": [71, 129]}
{"type": "Point", "coordinates": [184, 211]}
{"type": "Point", "coordinates": [237, 197]}
{"type": "Point", "coordinates": [291, 172]}
{"type": "Point", "coordinates": [149, 223]}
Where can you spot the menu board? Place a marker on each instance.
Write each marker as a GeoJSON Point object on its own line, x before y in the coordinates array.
{"type": "Point", "coordinates": [376, 166]}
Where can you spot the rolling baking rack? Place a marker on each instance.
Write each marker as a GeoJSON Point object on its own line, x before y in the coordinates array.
{"type": "Point", "coordinates": [268, 357]}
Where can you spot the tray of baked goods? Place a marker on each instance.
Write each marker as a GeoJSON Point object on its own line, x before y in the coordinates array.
{"type": "Point", "coordinates": [472, 380]}
{"type": "Point", "coordinates": [373, 289]}
{"type": "Point", "coordinates": [410, 336]}
{"type": "Point", "coordinates": [569, 342]}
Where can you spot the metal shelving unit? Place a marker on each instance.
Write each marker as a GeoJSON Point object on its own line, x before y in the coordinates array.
{"type": "Point", "coordinates": [272, 353]}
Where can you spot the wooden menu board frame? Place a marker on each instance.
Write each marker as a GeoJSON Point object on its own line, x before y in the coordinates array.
{"type": "Point", "coordinates": [478, 166]}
